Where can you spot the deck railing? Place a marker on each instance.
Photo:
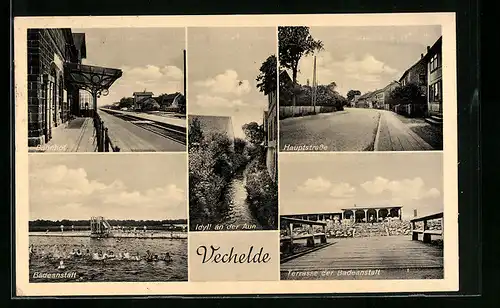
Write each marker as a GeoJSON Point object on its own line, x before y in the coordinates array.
{"type": "Point", "coordinates": [288, 240]}
{"type": "Point", "coordinates": [425, 231]}
{"type": "Point", "coordinates": [104, 143]}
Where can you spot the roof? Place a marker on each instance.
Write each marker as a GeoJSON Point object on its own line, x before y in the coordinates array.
{"type": "Point", "coordinates": [365, 95]}
{"type": "Point", "coordinates": [308, 214]}
{"type": "Point", "coordinates": [221, 124]}
{"type": "Point", "coordinates": [432, 50]}
{"type": "Point", "coordinates": [436, 47]}
{"type": "Point", "coordinates": [420, 61]}
{"type": "Point", "coordinates": [365, 207]}
{"type": "Point", "coordinates": [90, 77]}
{"type": "Point", "coordinates": [146, 99]}
{"type": "Point", "coordinates": [169, 98]}
{"type": "Point", "coordinates": [285, 77]}
{"type": "Point", "coordinates": [79, 40]}
{"type": "Point", "coordinates": [143, 93]}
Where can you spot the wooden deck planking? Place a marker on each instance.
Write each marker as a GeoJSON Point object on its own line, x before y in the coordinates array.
{"type": "Point", "coordinates": [373, 252]}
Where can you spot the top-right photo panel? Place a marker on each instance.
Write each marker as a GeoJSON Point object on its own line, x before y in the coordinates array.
{"type": "Point", "coordinates": [360, 88]}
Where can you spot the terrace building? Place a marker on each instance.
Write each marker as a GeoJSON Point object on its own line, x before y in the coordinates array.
{"type": "Point", "coordinates": [357, 214]}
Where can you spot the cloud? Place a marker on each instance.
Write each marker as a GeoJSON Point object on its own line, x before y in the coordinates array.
{"type": "Point", "coordinates": [366, 69]}
{"type": "Point", "coordinates": [217, 101]}
{"type": "Point", "coordinates": [343, 190]}
{"type": "Point", "coordinates": [318, 184]}
{"type": "Point", "coordinates": [156, 79]}
{"type": "Point", "coordinates": [226, 83]}
{"type": "Point", "coordinates": [59, 192]}
{"type": "Point", "coordinates": [407, 189]}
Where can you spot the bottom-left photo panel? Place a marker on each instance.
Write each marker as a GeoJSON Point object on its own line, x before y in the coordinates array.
{"type": "Point", "coordinates": [108, 217]}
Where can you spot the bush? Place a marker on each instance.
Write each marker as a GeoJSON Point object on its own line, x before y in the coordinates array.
{"type": "Point", "coordinates": [210, 168]}
{"type": "Point", "coordinates": [262, 194]}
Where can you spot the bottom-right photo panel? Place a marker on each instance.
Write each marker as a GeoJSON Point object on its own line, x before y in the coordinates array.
{"type": "Point", "coordinates": [361, 216]}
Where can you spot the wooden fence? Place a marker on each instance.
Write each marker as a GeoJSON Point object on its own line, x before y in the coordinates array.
{"type": "Point", "coordinates": [300, 111]}
{"type": "Point", "coordinates": [104, 143]}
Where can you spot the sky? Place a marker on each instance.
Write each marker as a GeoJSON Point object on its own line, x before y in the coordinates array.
{"type": "Point", "coordinates": [366, 58]}
{"type": "Point", "coordinates": [316, 183]}
{"type": "Point", "coordinates": [151, 59]}
{"type": "Point", "coordinates": [118, 186]}
{"type": "Point", "coordinates": [223, 64]}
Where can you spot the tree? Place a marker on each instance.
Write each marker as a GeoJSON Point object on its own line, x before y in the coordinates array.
{"type": "Point", "coordinates": [352, 93]}
{"type": "Point", "coordinates": [254, 133]}
{"type": "Point", "coordinates": [195, 133]}
{"type": "Point", "coordinates": [266, 80]}
{"type": "Point", "coordinates": [407, 94]}
{"type": "Point", "coordinates": [294, 43]}
{"type": "Point", "coordinates": [239, 145]}
{"type": "Point", "coordinates": [126, 102]}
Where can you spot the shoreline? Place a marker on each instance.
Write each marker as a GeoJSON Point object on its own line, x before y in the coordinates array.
{"type": "Point", "coordinates": [159, 235]}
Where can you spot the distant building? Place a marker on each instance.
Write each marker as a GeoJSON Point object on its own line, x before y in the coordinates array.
{"type": "Point", "coordinates": [51, 98]}
{"type": "Point", "coordinates": [416, 74]}
{"type": "Point", "coordinates": [365, 101]}
{"type": "Point", "coordinates": [271, 135]}
{"type": "Point", "coordinates": [357, 214]}
{"type": "Point", "coordinates": [384, 103]}
{"type": "Point", "coordinates": [354, 100]}
{"type": "Point", "coordinates": [378, 98]}
{"type": "Point", "coordinates": [434, 78]}
{"type": "Point", "coordinates": [214, 124]}
{"type": "Point", "coordinates": [141, 97]}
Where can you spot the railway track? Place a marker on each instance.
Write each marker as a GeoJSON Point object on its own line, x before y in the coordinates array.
{"type": "Point", "coordinates": [173, 132]}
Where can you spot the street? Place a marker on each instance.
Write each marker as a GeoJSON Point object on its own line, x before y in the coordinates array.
{"type": "Point", "coordinates": [354, 129]}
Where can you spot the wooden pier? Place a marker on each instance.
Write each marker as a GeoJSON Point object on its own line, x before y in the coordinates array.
{"type": "Point", "coordinates": [384, 252]}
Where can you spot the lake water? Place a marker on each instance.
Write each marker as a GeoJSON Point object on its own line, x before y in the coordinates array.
{"type": "Point", "coordinates": [237, 208]}
{"type": "Point", "coordinates": [88, 270]}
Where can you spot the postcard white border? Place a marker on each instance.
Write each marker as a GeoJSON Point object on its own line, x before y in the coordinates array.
{"type": "Point", "coordinates": [451, 268]}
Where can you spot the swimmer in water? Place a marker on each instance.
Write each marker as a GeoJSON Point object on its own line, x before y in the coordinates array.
{"type": "Point", "coordinates": [167, 257]}
{"type": "Point", "coordinates": [61, 265]}
{"type": "Point", "coordinates": [126, 255]}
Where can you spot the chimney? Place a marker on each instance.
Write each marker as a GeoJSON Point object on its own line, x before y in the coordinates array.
{"type": "Point", "coordinates": [415, 213]}
{"type": "Point", "coordinates": [421, 55]}
{"type": "Point", "coordinates": [428, 48]}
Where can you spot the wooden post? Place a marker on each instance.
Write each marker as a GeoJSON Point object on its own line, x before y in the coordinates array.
{"type": "Point", "coordinates": [106, 140]}
{"type": "Point", "coordinates": [323, 237]}
{"type": "Point", "coordinates": [291, 237]}
{"type": "Point", "coordinates": [102, 136]}
{"type": "Point", "coordinates": [414, 235]}
{"type": "Point", "coordinates": [427, 236]}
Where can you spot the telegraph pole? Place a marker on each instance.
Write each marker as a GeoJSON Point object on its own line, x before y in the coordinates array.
{"type": "Point", "coordinates": [314, 85]}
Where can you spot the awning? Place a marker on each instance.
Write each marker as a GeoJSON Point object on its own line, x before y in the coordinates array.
{"type": "Point", "coordinates": [91, 78]}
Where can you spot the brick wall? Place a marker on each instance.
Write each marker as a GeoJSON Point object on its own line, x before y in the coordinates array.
{"type": "Point", "coordinates": [47, 51]}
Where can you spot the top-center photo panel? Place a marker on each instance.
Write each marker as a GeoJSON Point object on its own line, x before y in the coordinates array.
{"type": "Point", "coordinates": [232, 132]}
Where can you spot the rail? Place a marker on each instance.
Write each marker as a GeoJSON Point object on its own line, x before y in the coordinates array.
{"type": "Point", "coordinates": [288, 239]}
{"type": "Point", "coordinates": [104, 143]}
{"type": "Point", "coordinates": [426, 233]}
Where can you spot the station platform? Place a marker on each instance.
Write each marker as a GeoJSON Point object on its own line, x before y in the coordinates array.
{"type": "Point", "coordinates": [76, 135]}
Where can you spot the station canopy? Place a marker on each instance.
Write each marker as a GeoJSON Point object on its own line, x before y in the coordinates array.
{"type": "Point", "coordinates": [91, 78]}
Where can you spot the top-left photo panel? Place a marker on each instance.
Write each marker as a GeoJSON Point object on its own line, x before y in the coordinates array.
{"type": "Point", "coordinates": [106, 90]}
